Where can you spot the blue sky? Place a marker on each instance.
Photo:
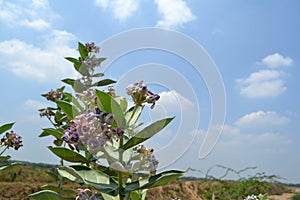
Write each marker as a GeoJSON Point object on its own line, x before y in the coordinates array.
{"type": "Point", "coordinates": [254, 45]}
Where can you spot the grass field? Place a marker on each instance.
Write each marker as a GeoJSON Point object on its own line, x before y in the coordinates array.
{"type": "Point", "coordinates": [17, 183]}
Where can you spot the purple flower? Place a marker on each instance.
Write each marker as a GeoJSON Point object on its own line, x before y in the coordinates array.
{"type": "Point", "coordinates": [140, 94]}
{"type": "Point", "coordinates": [91, 47]}
{"type": "Point", "coordinates": [11, 139]}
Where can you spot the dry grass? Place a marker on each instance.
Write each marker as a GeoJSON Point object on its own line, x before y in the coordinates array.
{"type": "Point", "coordinates": [19, 182]}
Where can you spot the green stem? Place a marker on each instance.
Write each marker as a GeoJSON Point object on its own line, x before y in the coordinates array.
{"type": "Point", "coordinates": [120, 173]}
{"type": "Point", "coordinates": [134, 110]}
{"type": "Point", "coordinates": [4, 150]}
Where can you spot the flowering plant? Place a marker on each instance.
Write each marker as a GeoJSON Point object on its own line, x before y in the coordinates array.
{"type": "Point", "coordinates": [9, 140]}
{"type": "Point", "coordinates": [96, 130]}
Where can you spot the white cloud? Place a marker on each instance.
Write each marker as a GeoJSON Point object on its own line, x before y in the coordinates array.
{"type": "Point", "coordinates": [264, 83]}
{"type": "Point", "coordinates": [276, 60]}
{"type": "Point", "coordinates": [38, 24]}
{"type": "Point", "coordinates": [268, 138]}
{"type": "Point", "coordinates": [122, 9]}
{"type": "Point", "coordinates": [175, 13]}
{"type": "Point", "coordinates": [226, 130]}
{"type": "Point", "coordinates": [35, 105]}
{"type": "Point", "coordinates": [35, 14]}
{"type": "Point", "coordinates": [173, 101]}
{"type": "Point", "coordinates": [262, 119]}
{"type": "Point", "coordinates": [44, 65]}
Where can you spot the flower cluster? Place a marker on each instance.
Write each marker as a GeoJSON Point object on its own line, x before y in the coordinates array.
{"type": "Point", "coordinates": [54, 95]}
{"type": "Point", "coordinates": [255, 197]}
{"type": "Point", "coordinates": [148, 162]}
{"type": "Point", "coordinates": [88, 97]}
{"type": "Point", "coordinates": [46, 112]}
{"type": "Point", "coordinates": [140, 94]}
{"type": "Point", "coordinates": [11, 139]}
{"type": "Point", "coordinates": [91, 47]}
{"type": "Point", "coordinates": [86, 194]}
{"type": "Point", "coordinates": [93, 129]}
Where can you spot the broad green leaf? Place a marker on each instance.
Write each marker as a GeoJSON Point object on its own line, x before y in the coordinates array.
{"type": "Point", "coordinates": [69, 81]}
{"type": "Point", "coordinates": [133, 114]}
{"type": "Point", "coordinates": [147, 133]}
{"type": "Point", "coordinates": [94, 178]}
{"type": "Point", "coordinates": [57, 133]}
{"type": "Point", "coordinates": [50, 187]}
{"type": "Point", "coordinates": [68, 109]}
{"type": "Point", "coordinates": [4, 158]}
{"type": "Point", "coordinates": [68, 155]}
{"type": "Point", "coordinates": [109, 197]}
{"type": "Point", "coordinates": [6, 127]}
{"type": "Point", "coordinates": [111, 188]}
{"type": "Point", "coordinates": [73, 60]}
{"type": "Point", "coordinates": [122, 102]}
{"type": "Point", "coordinates": [70, 174]}
{"type": "Point", "coordinates": [76, 84]}
{"type": "Point", "coordinates": [112, 151]}
{"type": "Point", "coordinates": [82, 50]}
{"type": "Point", "coordinates": [154, 181]}
{"type": "Point", "coordinates": [104, 82]}
{"type": "Point", "coordinates": [45, 195]}
{"type": "Point", "coordinates": [138, 195]}
{"type": "Point", "coordinates": [111, 106]}
{"type": "Point", "coordinates": [74, 101]}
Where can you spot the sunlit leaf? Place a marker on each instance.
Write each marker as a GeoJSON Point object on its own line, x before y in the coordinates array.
{"type": "Point", "coordinates": [146, 133]}
{"type": "Point", "coordinates": [68, 109]}
{"type": "Point", "coordinates": [154, 181]}
{"type": "Point", "coordinates": [74, 101]}
{"type": "Point", "coordinates": [111, 106]}
{"type": "Point", "coordinates": [82, 50]}
{"type": "Point", "coordinates": [133, 114]}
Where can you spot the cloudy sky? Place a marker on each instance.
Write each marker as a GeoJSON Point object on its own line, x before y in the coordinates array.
{"type": "Point", "coordinates": [254, 45]}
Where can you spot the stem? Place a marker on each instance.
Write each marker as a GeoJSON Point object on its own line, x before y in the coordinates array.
{"type": "Point", "coordinates": [120, 173]}
{"type": "Point", "coordinates": [3, 150]}
{"type": "Point", "coordinates": [134, 110]}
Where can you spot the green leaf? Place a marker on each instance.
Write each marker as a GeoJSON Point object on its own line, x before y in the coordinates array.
{"type": "Point", "coordinates": [50, 187]}
{"type": "Point", "coordinates": [111, 106]}
{"type": "Point", "coordinates": [133, 114]}
{"type": "Point", "coordinates": [57, 133]}
{"type": "Point", "coordinates": [147, 133]}
{"type": "Point", "coordinates": [68, 155]}
{"type": "Point", "coordinates": [154, 181]}
{"type": "Point", "coordinates": [45, 195]}
{"type": "Point", "coordinates": [74, 101]}
{"type": "Point", "coordinates": [69, 81]}
{"type": "Point", "coordinates": [98, 75]}
{"type": "Point", "coordinates": [71, 174]}
{"type": "Point", "coordinates": [82, 50]}
{"type": "Point", "coordinates": [109, 197]}
{"type": "Point", "coordinates": [4, 158]}
{"type": "Point", "coordinates": [104, 82]}
{"type": "Point", "coordinates": [94, 178]}
{"type": "Point", "coordinates": [68, 109]}
{"type": "Point", "coordinates": [122, 102]}
{"type": "Point", "coordinates": [6, 127]}
{"type": "Point", "coordinates": [76, 84]}
{"type": "Point", "coordinates": [73, 60]}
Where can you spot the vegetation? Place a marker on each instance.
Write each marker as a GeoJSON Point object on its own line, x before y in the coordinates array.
{"type": "Point", "coordinates": [17, 183]}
